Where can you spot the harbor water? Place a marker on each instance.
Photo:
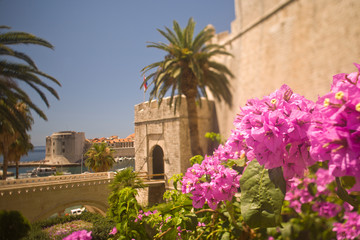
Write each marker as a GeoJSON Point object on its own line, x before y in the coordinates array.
{"type": "Point", "coordinates": [38, 153]}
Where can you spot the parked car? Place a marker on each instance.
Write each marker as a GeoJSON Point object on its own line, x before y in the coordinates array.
{"type": "Point", "coordinates": [77, 211]}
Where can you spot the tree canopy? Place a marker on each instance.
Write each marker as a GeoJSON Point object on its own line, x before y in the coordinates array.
{"type": "Point", "coordinates": [100, 158]}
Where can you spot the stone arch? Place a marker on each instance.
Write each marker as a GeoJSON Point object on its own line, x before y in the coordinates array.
{"type": "Point", "coordinates": [157, 156]}
{"type": "Point", "coordinates": [92, 206]}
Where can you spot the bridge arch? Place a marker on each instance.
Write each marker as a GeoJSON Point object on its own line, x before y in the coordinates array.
{"type": "Point", "coordinates": [40, 198]}
{"type": "Point", "coordinates": [91, 206]}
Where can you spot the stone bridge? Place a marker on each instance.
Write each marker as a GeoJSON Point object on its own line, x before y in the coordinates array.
{"type": "Point", "coordinates": [39, 198]}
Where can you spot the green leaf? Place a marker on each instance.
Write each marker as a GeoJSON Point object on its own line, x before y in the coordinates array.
{"type": "Point", "coordinates": [122, 209]}
{"type": "Point", "coordinates": [172, 234]}
{"type": "Point", "coordinates": [196, 159]}
{"type": "Point", "coordinates": [191, 221]}
{"type": "Point", "coordinates": [241, 162]}
{"type": "Point", "coordinates": [347, 181]}
{"type": "Point", "coordinates": [225, 236]}
{"type": "Point", "coordinates": [276, 176]}
{"type": "Point", "coordinates": [343, 194]}
{"type": "Point", "coordinates": [261, 198]}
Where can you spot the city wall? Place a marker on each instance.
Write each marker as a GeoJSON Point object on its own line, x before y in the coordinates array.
{"type": "Point", "coordinates": [301, 43]}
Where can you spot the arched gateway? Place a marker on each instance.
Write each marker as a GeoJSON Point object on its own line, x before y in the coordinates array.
{"type": "Point", "coordinates": [162, 141]}
{"type": "Point", "coordinates": [157, 162]}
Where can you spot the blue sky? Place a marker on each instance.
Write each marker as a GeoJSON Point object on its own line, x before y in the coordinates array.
{"type": "Point", "coordinates": [100, 48]}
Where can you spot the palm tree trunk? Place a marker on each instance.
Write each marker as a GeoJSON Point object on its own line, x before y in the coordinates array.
{"type": "Point", "coordinates": [5, 164]}
{"type": "Point", "coordinates": [17, 168]}
{"type": "Point", "coordinates": [193, 126]}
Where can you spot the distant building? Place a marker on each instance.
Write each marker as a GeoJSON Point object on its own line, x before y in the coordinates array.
{"type": "Point", "coordinates": [123, 147]}
{"type": "Point", "coordinates": [65, 147]}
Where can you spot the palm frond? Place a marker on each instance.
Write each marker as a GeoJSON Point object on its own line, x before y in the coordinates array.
{"type": "Point", "coordinates": [23, 38]}
{"type": "Point", "coordinates": [169, 36]}
{"type": "Point", "coordinates": [26, 71]}
{"type": "Point", "coordinates": [4, 27]}
{"type": "Point", "coordinates": [179, 33]}
{"type": "Point", "coordinates": [173, 36]}
{"type": "Point", "coordinates": [9, 52]}
{"type": "Point", "coordinates": [221, 68]}
{"type": "Point", "coordinates": [26, 74]}
{"type": "Point", "coordinates": [189, 33]}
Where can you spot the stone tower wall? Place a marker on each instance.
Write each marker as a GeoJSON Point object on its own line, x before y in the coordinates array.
{"type": "Point", "coordinates": [302, 43]}
{"type": "Point", "coordinates": [161, 126]}
{"type": "Point", "coordinates": [65, 147]}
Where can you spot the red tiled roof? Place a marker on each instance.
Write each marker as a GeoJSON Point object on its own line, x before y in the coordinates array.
{"type": "Point", "coordinates": [113, 139]}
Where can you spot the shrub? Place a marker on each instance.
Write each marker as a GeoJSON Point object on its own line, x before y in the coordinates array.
{"type": "Point", "coordinates": [101, 226]}
{"type": "Point", "coordinates": [13, 225]}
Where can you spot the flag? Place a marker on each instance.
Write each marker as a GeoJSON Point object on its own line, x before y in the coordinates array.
{"type": "Point", "coordinates": [145, 85]}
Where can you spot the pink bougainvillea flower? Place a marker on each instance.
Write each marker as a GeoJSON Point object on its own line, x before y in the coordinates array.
{"type": "Point", "coordinates": [349, 229]}
{"type": "Point", "coordinates": [210, 182]}
{"type": "Point", "coordinates": [79, 235]}
{"type": "Point", "coordinates": [113, 231]}
{"type": "Point", "coordinates": [323, 178]}
{"type": "Point", "coordinates": [335, 129]}
{"type": "Point", "coordinates": [274, 130]}
{"type": "Point", "coordinates": [326, 209]}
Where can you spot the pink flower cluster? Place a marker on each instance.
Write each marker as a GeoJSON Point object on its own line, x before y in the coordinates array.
{"type": "Point", "coordinates": [299, 194]}
{"type": "Point", "coordinates": [210, 182]}
{"type": "Point", "coordinates": [326, 209]}
{"type": "Point", "coordinates": [335, 131]}
{"type": "Point", "coordinates": [146, 214]}
{"type": "Point", "coordinates": [79, 235]}
{"type": "Point", "coordinates": [274, 131]}
{"type": "Point", "coordinates": [350, 229]}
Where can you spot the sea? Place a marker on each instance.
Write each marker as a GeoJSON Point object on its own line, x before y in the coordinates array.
{"type": "Point", "coordinates": [38, 153]}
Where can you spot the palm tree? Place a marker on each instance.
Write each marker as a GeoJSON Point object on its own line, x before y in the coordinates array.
{"type": "Point", "coordinates": [188, 69]}
{"type": "Point", "coordinates": [100, 158]}
{"type": "Point", "coordinates": [12, 140]}
{"type": "Point", "coordinates": [17, 149]}
{"type": "Point", "coordinates": [127, 178]}
{"type": "Point", "coordinates": [24, 70]}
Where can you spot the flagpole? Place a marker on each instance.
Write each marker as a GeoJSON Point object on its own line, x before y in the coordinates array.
{"type": "Point", "coordinates": [145, 86]}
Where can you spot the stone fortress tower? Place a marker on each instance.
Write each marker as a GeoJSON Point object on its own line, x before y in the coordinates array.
{"type": "Point", "coordinates": [65, 147]}
{"type": "Point", "coordinates": [162, 140]}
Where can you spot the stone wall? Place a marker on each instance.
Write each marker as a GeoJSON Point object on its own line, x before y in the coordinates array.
{"type": "Point", "coordinates": [124, 152]}
{"type": "Point", "coordinates": [301, 43]}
